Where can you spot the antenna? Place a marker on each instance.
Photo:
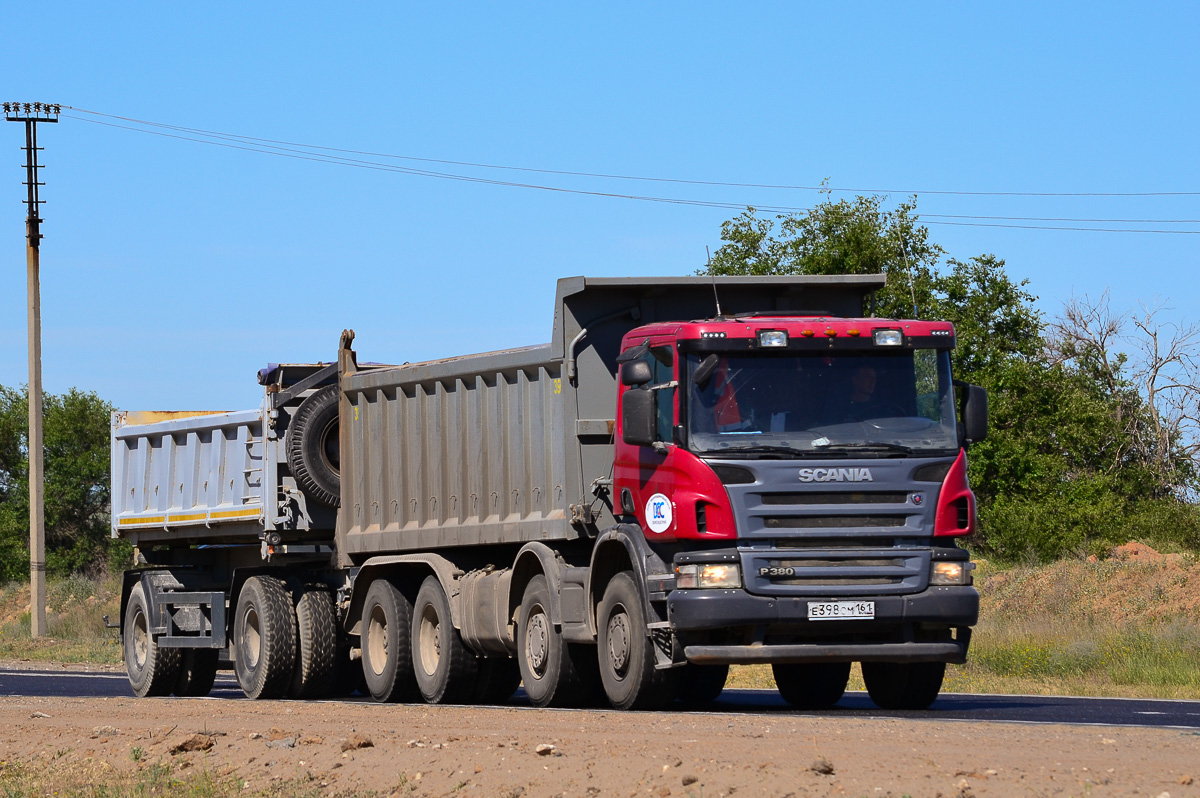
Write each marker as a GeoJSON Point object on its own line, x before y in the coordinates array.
{"type": "Point", "coordinates": [908, 270]}
{"type": "Point", "coordinates": [720, 316]}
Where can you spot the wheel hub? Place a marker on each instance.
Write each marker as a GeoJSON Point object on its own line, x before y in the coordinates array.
{"type": "Point", "coordinates": [618, 641]}
{"type": "Point", "coordinates": [537, 643]}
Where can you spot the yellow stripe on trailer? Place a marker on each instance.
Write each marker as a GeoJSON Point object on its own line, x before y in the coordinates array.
{"type": "Point", "coordinates": [190, 517]}
{"type": "Point", "coordinates": [254, 513]}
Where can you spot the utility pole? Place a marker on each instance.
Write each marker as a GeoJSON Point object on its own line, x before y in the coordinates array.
{"type": "Point", "coordinates": [31, 114]}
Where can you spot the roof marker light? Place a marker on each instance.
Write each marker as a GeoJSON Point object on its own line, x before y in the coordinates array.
{"type": "Point", "coordinates": [889, 338]}
{"type": "Point", "coordinates": [831, 333]}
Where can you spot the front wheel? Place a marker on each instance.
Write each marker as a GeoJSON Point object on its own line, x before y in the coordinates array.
{"type": "Point", "coordinates": [626, 652]}
{"type": "Point", "coordinates": [555, 673]}
{"type": "Point", "coordinates": [152, 671]}
{"type": "Point", "coordinates": [815, 685]}
{"type": "Point", "coordinates": [903, 685]}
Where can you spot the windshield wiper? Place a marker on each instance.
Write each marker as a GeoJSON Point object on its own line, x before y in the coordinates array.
{"type": "Point", "coordinates": [866, 447]}
{"type": "Point", "coordinates": [782, 452]}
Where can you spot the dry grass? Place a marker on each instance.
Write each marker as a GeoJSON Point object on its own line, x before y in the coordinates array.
{"type": "Point", "coordinates": [75, 608]}
{"type": "Point", "coordinates": [1106, 628]}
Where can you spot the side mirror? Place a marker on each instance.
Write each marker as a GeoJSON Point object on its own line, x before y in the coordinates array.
{"type": "Point", "coordinates": [705, 370]}
{"type": "Point", "coordinates": [637, 415]}
{"type": "Point", "coordinates": [975, 414]}
{"type": "Point", "coordinates": [635, 372]}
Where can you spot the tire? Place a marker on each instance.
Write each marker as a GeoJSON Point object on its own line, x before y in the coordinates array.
{"type": "Point", "coordinates": [554, 672]}
{"type": "Point", "coordinates": [316, 645]}
{"type": "Point", "coordinates": [197, 672]}
{"type": "Point", "coordinates": [444, 667]}
{"type": "Point", "coordinates": [812, 685]}
{"type": "Point", "coordinates": [152, 671]}
{"type": "Point", "coordinates": [903, 685]}
{"type": "Point", "coordinates": [498, 679]}
{"type": "Point", "coordinates": [386, 653]}
{"type": "Point", "coordinates": [313, 450]}
{"type": "Point", "coordinates": [626, 653]}
{"type": "Point", "coordinates": [264, 638]}
{"type": "Point", "coordinates": [701, 684]}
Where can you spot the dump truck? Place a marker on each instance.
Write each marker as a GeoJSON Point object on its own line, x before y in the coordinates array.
{"type": "Point", "coordinates": [694, 472]}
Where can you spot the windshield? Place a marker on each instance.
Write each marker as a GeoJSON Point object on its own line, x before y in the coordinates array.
{"type": "Point", "coordinates": [822, 404]}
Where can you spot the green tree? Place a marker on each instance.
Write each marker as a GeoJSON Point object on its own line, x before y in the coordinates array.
{"type": "Point", "coordinates": [1064, 467]}
{"type": "Point", "coordinates": [76, 457]}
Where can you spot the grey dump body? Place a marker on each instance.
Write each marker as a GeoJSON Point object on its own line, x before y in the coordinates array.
{"type": "Point", "coordinates": [507, 447]}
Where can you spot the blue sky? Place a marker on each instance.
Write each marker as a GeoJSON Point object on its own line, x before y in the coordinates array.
{"type": "Point", "coordinates": [173, 270]}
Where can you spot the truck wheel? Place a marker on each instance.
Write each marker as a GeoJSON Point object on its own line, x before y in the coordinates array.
{"type": "Point", "coordinates": [264, 638]}
{"type": "Point", "coordinates": [445, 669]}
{"type": "Point", "coordinates": [701, 684]}
{"type": "Point", "coordinates": [626, 652]}
{"type": "Point", "coordinates": [903, 685]}
{"type": "Point", "coordinates": [499, 678]}
{"type": "Point", "coordinates": [313, 450]}
{"type": "Point", "coordinates": [386, 658]}
{"type": "Point", "coordinates": [812, 685]}
{"type": "Point", "coordinates": [316, 645]}
{"type": "Point", "coordinates": [554, 672]}
{"type": "Point", "coordinates": [197, 672]}
{"type": "Point", "coordinates": [152, 671]}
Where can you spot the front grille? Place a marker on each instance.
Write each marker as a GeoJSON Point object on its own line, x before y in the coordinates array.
{"type": "Point", "coordinates": [833, 543]}
{"type": "Point", "coordinates": [830, 573]}
{"type": "Point", "coordinates": [832, 521]}
{"type": "Point", "coordinates": [882, 497]}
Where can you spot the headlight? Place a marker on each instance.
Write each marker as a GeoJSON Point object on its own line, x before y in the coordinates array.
{"type": "Point", "coordinates": [951, 573]}
{"type": "Point", "coordinates": [772, 337]}
{"type": "Point", "coordinates": [888, 338]}
{"type": "Point", "coordinates": [708, 575]}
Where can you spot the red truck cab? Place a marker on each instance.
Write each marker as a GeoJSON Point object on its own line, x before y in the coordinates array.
{"type": "Point", "coordinates": [805, 478]}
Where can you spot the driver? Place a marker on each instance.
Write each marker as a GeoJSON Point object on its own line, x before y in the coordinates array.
{"type": "Point", "coordinates": [861, 402]}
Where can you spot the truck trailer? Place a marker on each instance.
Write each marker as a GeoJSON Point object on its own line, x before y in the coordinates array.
{"type": "Point", "coordinates": [694, 472]}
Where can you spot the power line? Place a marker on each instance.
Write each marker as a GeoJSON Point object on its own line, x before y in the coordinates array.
{"type": "Point", "coordinates": [643, 178]}
{"type": "Point", "coordinates": [304, 152]}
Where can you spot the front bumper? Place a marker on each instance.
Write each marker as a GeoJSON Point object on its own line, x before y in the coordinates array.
{"type": "Point", "coordinates": [701, 611]}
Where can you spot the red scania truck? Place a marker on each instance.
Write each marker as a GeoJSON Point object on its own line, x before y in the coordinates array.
{"type": "Point", "coordinates": [693, 473]}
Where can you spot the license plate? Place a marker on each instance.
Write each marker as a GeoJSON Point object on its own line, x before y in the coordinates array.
{"type": "Point", "coordinates": [838, 610]}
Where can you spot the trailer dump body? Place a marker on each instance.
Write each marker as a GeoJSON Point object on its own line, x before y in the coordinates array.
{"type": "Point", "coordinates": [693, 472]}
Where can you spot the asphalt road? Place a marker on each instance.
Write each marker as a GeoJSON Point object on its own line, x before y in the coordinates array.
{"type": "Point", "coordinates": [949, 706]}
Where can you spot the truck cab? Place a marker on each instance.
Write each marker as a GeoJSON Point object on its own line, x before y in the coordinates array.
{"type": "Point", "coordinates": [805, 478]}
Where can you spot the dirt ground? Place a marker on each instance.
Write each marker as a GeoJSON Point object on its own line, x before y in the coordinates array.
{"type": "Point", "coordinates": [347, 748]}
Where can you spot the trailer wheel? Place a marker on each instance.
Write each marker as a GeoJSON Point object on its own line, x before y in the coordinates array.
{"type": "Point", "coordinates": [316, 645]}
{"type": "Point", "coordinates": [197, 672]}
{"type": "Point", "coordinates": [386, 658]}
{"type": "Point", "coordinates": [152, 671]}
{"type": "Point", "coordinates": [626, 653]}
{"type": "Point", "coordinates": [444, 668]}
{"type": "Point", "coordinates": [903, 685]}
{"type": "Point", "coordinates": [498, 679]}
{"type": "Point", "coordinates": [264, 638]}
{"type": "Point", "coordinates": [313, 450]}
{"type": "Point", "coordinates": [816, 685]}
{"type": "Point", "coordinates": [701, 684]}
{"type": "Point", "coordinates": [554, 672]}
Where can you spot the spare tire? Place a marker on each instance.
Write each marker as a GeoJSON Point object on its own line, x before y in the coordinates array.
{"type": "Point", "coordinates": [313, 450]}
